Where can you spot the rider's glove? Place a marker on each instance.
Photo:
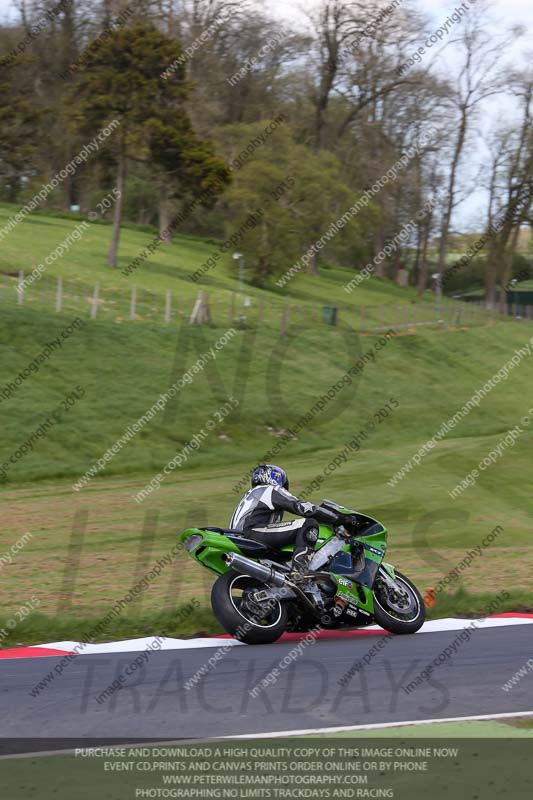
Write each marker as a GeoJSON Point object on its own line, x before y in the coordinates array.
{"type": "Point", "coordinates": [341, 531]}
{"type": "Point", "coordinates": [341, 519]}
{"type": "Point", "coordinates": [348, 520]}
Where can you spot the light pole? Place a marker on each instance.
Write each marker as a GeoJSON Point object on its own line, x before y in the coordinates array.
{"type": "Point", "coordinates": [437, 277]}
{"type": "Point", "coordinates": [240, 258]}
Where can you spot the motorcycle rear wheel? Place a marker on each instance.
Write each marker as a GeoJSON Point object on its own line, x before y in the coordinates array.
{"type": "Point", "coordinates": [247, 621]}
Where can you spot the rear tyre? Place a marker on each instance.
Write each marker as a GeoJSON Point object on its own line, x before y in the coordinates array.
{"type": "Point", "coordinates": [402, 612]}
{"type": "Point", "coordinates": [233, 604]}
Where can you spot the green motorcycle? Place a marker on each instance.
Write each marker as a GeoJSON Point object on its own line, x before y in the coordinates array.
{"type": "Point", "coordinates": [349, 584]}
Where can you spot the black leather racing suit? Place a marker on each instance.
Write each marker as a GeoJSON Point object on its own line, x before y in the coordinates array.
{"type": "Point", "coordinates": [259, 515]}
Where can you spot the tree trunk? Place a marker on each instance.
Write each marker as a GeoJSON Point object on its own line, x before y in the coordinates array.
{"type": "Point", "coordinates": [447, 217]}
{"type": "Point", "coordinates": [507, 262]}
{"type": "Point", "coordinates": [313, 269]}
{"type": "Point", "coordinates": [397, 265]}
{"type": "Point", "coordinates": [117, 215]}
{"type": "Point", "coordinates": [416, 264]}
{"type": "Point", "coordinates": [379, 270]}
{"type": "Point", "coordinates": [164, 216]}
{"type": "Point", "coordinates": [423, 273]}
{"type": "Point", "coordinates": [490, 275]}
{"type": "Point", "coordinates": [321, 112]}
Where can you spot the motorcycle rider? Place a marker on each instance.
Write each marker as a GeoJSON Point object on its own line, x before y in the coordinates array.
{"type": "Point", "coordinates": [259, 515]}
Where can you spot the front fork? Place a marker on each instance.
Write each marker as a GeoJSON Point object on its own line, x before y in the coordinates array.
{"type": "Point", "coordinates": [388, 576]}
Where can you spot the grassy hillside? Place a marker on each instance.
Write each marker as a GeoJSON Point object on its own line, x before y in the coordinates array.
{"type": "Point", "coordinates": [170, 268]}
{"type": "Point", "coordinates": [121, 370]}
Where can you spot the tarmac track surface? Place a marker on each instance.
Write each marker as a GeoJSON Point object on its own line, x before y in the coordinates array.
{"type": "Point", "coordinates": [153, 703]}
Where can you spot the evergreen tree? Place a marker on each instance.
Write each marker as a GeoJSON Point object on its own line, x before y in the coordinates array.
{"type": "Point", "coordinates": [136, 75]}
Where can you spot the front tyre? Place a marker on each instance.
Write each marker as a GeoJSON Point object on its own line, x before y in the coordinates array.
{"type": "Point", "coordinates": [398, 611]}
{"type": "Point", "coordinates": [249, 621]}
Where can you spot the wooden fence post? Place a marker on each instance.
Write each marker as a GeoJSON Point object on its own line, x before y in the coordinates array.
{"type": "Point", "coordinates": [168, 301]}
{"type": "Point", "coordinates": [201, 313]}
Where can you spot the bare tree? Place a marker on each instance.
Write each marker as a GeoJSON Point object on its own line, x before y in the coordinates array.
{"type": "Point", "coordinates": [510, 192]}
{"type": "Point", "coordinates": [333, 28]}
{"type": "Point", "coordinates": [479, 77]}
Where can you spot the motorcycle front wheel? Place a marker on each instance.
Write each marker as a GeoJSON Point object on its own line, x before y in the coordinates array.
{"type": "Point", "coordinates": [400, 611]}
{"type": "Point", "coordinates": [249, 621]}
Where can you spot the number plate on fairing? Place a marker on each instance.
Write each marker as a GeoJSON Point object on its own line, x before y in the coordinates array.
{"type": "Point", "coordinates": [347, 597]}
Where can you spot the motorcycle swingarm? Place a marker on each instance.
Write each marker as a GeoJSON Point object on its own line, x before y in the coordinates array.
{"type": "Point", "coordinates": [276, 593]}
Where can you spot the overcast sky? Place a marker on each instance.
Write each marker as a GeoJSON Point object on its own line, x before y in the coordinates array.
{"type": "Point", "coordinates": [511, 10]}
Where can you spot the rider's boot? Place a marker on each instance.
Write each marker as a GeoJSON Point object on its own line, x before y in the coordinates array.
{"type": "Point", "coordinates": [303, 554]}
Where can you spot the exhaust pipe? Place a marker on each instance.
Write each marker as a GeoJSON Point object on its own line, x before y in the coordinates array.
{"type": "Point", "coordinates": [267, 575]}
{"type": "Point", "coordinates": [249, 567]}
